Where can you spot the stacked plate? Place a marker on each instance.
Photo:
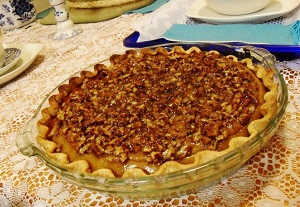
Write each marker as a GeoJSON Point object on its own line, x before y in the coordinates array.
{"type": "Point", "coordinates": [12, 55]}
{"type": "Point", "coordinates": [18, 57]}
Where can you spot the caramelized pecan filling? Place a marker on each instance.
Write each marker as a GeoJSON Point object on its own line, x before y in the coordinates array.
{"type": "Point", "coordinates": [154, 108]}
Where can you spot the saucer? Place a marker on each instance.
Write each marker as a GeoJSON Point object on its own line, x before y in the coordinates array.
{"type": "Point", "coordinates": [12, 55]}
{"type": "Point", "coordinates": [276, 8]}
{"type": "Point", "coordinates": [28, 55]}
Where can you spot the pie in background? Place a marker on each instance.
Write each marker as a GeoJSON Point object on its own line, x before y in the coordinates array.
{"type": "Point", "coordinates": [89, 11]}
{"type": "Point", "coordinates": [152, 112]}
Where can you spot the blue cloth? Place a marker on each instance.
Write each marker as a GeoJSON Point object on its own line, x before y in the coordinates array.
{"type": "Point", "coordinates": [296, 32]}
{"type": "Point", "coordinates": [276, 34]}
{"type": "Point", "coordinates": [150, 8]}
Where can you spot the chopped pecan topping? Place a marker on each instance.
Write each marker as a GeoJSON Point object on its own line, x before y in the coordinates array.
{"type": "Point", "coordinates": [159, 106]}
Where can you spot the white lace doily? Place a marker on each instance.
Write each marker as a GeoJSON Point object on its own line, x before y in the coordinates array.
{"type": "Point", "coordinates": [270, 178]}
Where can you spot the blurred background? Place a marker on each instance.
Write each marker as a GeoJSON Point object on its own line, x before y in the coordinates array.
{"type": "Point", "coordinates": [41, 5]}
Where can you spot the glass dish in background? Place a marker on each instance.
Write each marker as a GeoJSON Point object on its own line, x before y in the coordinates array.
{"type": "Point", "coordinates": [177, 183]}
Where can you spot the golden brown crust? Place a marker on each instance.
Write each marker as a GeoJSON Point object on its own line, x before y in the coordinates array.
{"type": "Point", "coordinates": [87, 12]}
{"type": "Point", "coordinates": [99, 3]}
{"type": "Point", "coordinates": [82, 162]}
{"type": "Point", "coordinates": [96, 14]}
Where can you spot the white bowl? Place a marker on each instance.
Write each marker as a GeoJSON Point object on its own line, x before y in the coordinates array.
{"type": "Point", "coordinates": [237, 7]}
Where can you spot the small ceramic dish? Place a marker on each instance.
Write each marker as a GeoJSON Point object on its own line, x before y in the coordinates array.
{"type": "Point", "coordinates": [276, 8]}
{"type": "Point", "coordinates": [12, 55]}
{"type": "Point", "coordinates": [2, 53]}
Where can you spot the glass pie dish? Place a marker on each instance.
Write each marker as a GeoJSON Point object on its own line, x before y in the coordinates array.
{"type": "Point", "coordinates": [183, 181]}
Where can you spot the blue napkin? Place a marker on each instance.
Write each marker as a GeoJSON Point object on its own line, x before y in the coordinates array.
{"type": "Point", "coordinates": [150, 8]}
{"type": "Point", "coordinates": [276, 34]}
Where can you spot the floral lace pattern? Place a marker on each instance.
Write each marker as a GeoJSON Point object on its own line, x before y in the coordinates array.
{"type": "Point", "coordinates": [270, 178]}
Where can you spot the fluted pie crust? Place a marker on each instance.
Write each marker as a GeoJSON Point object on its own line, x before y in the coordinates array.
{"type": "Point", "coordinates": [152, 112]}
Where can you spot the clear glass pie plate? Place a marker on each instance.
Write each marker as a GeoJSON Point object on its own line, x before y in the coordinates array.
{"type": "Point", "coordinates": [180, 182]}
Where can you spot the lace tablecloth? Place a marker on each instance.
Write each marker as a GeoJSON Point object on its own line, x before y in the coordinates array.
{"type": "Point", "coordinates": [270, 178]}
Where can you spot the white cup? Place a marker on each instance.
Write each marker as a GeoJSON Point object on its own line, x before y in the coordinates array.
{"type": "Point", "coordinates": [2, 53]}
{"type": "Point", "coordinates": [16, 14]}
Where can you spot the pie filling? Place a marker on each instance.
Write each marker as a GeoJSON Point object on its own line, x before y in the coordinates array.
{"type": "Point", "coordinates": [150, 107]}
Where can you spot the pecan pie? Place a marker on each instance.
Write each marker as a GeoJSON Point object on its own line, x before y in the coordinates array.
{"type": "Point", "coordinates": [151, 112]}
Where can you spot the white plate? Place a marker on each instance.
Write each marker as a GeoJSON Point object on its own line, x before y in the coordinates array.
{"type": "Point", "coordinates": [28, 55]}
{"type": "Point", "coordinates": [12, 55]}
{"type": "Point", "coordinates": [276, 8]}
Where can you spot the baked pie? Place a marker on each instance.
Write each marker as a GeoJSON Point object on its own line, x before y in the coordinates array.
{"type": "Point", "coordinates": [156, 111]}
{"type": "Point", "coordinates": [82, 11]}
{"type": "Point", "coordinates": [88, 11]}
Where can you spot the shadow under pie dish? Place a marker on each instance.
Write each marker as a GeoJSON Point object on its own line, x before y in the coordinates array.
{"type": "Point", "coordinates": [161, 121]}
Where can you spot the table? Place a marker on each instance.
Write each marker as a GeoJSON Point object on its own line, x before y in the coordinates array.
{"type": "Point", "coordinates": [270, 178]}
